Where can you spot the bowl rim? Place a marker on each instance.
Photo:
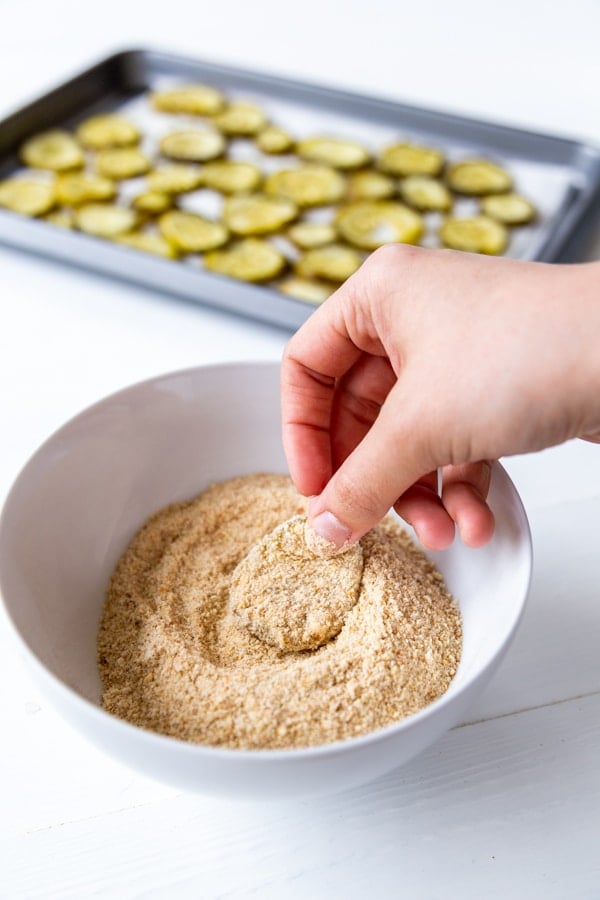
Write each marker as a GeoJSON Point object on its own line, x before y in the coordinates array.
{"type": "Point", "coordinates": [256, 756]}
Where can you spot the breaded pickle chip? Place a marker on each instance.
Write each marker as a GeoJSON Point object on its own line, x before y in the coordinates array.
{"type": "Point", "coordinates": [109, 130]}
{"type": "Point", "coordinates": [63, 218]}
{"type": "Point", "coordinates": [369, 224]}
{"type": "Point", "coordinates": [334, 152]}
{"type": "Point", "coordinates": [478, 177]}
{"type": "Point", "coordinates": [312, 234]}
{"type": "Point", "coordinates": [478, 234]}
{"type": "Point", "coordinates": [193, 145]}
{"type": "Point", "coordinates": [175, 179]}
{"type": "Point", "coordinates": [251, 259]}
{"type": "Point", "coordinates": [153, 203]}
{"type": "Point", "coordinates": [411, 159]}
{"type": "Point", "coordinates": [190, 233]}
{"type": "Point", "coordinates": [56, 150]}
{"type": "Point", "coordinates": [306, 289]}
{"type": "Point", "coordinates": [426, 193]}
{"type": "Point", "coordinates": [258, 214]}
{"type": "Point", "coordinates": [510, 209]}
{"type": "Point", "coordinates": [75, 188]}
{"type": "Point", "coordinates": [335, 262]}
{"type": "Point", "coordinates": [122, 162]}
{"type": "Point", "coordinates": [195, 99]}
{"type": "Point", "coordinates": [274, 140]}
{"type": "Point", "coordinates": [230, 177]}
{"type": "Point", "coordinates": [370, 185]}
{"type": "Point", "coordinates": [27, 196]}
{"type": "Point", "coordinates": [241, 120]}
{"type": "Point", "coordinates": [105, 219]}
{"type": "Point", "coordinates": [149, 242]}
{"type": "Point", "coordinates": [308, 185]}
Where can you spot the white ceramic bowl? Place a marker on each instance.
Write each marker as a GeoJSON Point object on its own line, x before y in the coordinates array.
{"type": "Point", "coordinates": [82, 496]}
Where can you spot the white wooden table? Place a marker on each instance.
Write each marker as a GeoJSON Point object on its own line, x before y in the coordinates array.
{"type": "Point", "coordinates": [506, 805]}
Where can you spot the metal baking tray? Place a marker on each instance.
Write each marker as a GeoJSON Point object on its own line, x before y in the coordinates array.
{"type": "Point", "coordinates": [561, 176]}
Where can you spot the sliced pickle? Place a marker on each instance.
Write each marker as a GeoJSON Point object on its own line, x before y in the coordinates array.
{"type": "Point", "coordinates": [193, 145]}
{"type": "Point", "coordinates": [176, 178]}
{"type": "Point", "coordinates": [411, 159]}
{"type": "Point", "coordinates": [105, 219]}
{"type": "Point", "coordinates": [190, 233]}
{"type": "Point", "coordinates": [195, 99]}
{"type": "Point", "coordinates": [56, 150]}
{"type": "Point", "coordinates": [478, 177]}
{"type": "Point", "coordinates": [149, 242]}
{"type": "Point", "coordinates": [76, 188]}
{"type": "Point", "coordinates": [334, 152]}
{"type": "Point", "coordinates": [478, 234]}
{"type": "Point", "coordinates": [122, 162]}
{"type": "Point", "coordinates": [27, 196]}
{"type": "Point", "coordinates": [335, 262]}
{"type": "Point", "coordinates": [274, 140]}
{"type": "Point", "coordinates": [308, 185]}
{"type": "Point", "coordinates": [370, 185]}
{"type": "Point", "coordinates": [307, 235]}
{"type": "Point", "coordinates": [63, 218]}
{"type": "Point", "coordinates": [369, 224]}
{"type": "Point", "coordinates": [510, 209]}
{"type": "Point", "coordinates": [258, 214]}
{"type": "Point", "coordinates": [230, 177]}
{"type": "Point", "coordinates": [426, 193]}
{"type": "Point", "coordinates": [152, 203]}
{"type": "Point", "coordinates": [241, 120]}
{"type": "Point", "coordinates": [110, 130]}
{"type": "Point", "coordinates": [251, 259]}
{"type": "Point", "coordinates": [306, 289]}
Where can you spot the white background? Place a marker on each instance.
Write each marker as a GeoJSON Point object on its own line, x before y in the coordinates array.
{"type": "Point", "coordinates": [507, 805]}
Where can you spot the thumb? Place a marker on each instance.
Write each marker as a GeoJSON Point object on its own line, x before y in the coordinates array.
{"type": "Point", "coordinates": [388, 460]}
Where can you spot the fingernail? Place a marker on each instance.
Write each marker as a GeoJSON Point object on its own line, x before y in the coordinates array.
{"type": "Point", "coordinates": [330, 529]}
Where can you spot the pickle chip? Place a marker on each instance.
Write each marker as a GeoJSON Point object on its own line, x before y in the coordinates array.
{"type": "Point", "coordinates": [308, 185]}
{"type": "Point", "coordinates": [56, 150]}
{"type": "Point", "coordinates": [193, 145]}
{"type": "Point", "coordinates": [334, 152]}
{"type": "Point", "coordinates": [411, 159]}
{"type": "Point", "coordinates": [241, 120]}
{"type": "Point", "coordinates": [370, 185]}
{"type": "Point", "coordinates": [335, 262]}
{"type": "Point", "coordinates": [27, 196]}
{"type": "Point", "coordinates": [176, 178]}
{"type": "Point", "coordinates": [230, 177]}
{"type": "Point", "coordinates": [426, 193]}
{"type": "Point", "coordinates": [149, 242]}
{"type": "Point", "coordinates": [76, 188]}
{"type": "Point", "coordinates": [307, 235]}
{"type": "Point", "coordinates": [105, 219]}
{"type": "Point", "coordinates": [274, 140]}
{"type": "Point", "coordinates": [190, 233]}
{"type": "Point", "coordinates": [63, 218]}
{"type": "Point", "coordinates": [479, 234]}
{"type": "Point", "coordinates": [195, 99]}
{"type": "Point", "coordinates": [249, 260]}
{"type": "Point", "coordinates": [258, 214]}
{"type": "Point", "coordinates": [153, 203]}
{"type": "Point", "coordinates": [478, 177]}
{"type": "Point", "coordinates": [110, 130]}
{"type": "Point", "coordinates": [122, 162]}
{"type": "Point", "coordinates": [369, 224]}
{"type": "Point", "coordinates": [306, 289]}
{"type": "Point", "coordinates": [510, 209]}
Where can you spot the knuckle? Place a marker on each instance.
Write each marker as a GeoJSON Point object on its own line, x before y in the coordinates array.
{"type": "Point", "coordinates": [355, 500]}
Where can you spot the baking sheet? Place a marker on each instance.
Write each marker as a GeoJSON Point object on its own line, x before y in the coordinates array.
{"type": "Point", "coordinates": [561, 177]}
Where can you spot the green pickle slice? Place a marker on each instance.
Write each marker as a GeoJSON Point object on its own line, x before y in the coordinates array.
{"type": "Point", "coordinates": [122, 162]}
{"type": "Point", "coordinates": [109, 130]}
{"type": "Point", "coordinates": [306, 289]}
{"type": "Point", "coordinates": [193, 145]}
{"type": "Point", "coordinates": [258, 214]}
{"type": "Point", "coordinates": [62, 218]}
{"type": "Point", "coordinates": [176, 178]}
{"type": "Point", "coordinates": [149, 242]}
{"type": "Point", "coordinates": [410, 159]}
{"type": "Point", "coordinates": [55, 150]}
{"type": "Point", "coordinates": [478, 177]}
{"type": "Point", "coordinates": [241, 120]}
{"type": "Point", "coordinates": [250, 259]}
{"type": "Point", "coordinates": [370, 185]}
{"type": "Point", "coordinates": [105, 219]}
{"type": "Point", "coordinates": [478, 234]}
{"type": "Point", "coordinates": [152, 203]}
{"type": "Point", "coordinates": [307, 235]}
{"type": "Point", "coordinates": [370, 224]}
{"type": "Point", "coordinates": [335, 262]}
{"type": "Point", "coordinates": [425, 193]}
{"type": "Point", "coordinates": [191, 233]}
{"type": "Point", "coordinates": [308, 185]}
{"type": "Point", "coordinates": [510, 209]}
{"type": "Point", "coordinates": [231, 177]}
{"type": "Point", "coordinates": [194, 99]}
{"type": "Point", "coordinates": [274, 140]}
{"type": "Point", "coordinates": [76, 188]}
{"type": "Point", "coordinates": [27, 196]}
{"type": "Point", "coordinates": [334, 152]}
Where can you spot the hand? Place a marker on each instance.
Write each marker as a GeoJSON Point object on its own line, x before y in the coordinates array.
{"type": "Point", "coordinates": [430, 360]}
